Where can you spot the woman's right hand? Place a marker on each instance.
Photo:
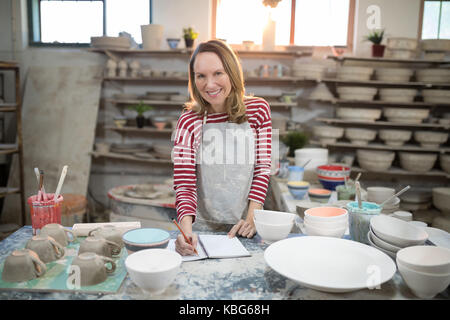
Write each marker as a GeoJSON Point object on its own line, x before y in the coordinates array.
{"type": "Point", "coordinates": [184, 248]}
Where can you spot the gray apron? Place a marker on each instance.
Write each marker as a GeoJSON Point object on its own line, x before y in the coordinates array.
{"type": "Point", "coordinates": [225, 165]}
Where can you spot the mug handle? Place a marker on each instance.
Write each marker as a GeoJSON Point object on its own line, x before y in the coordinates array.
{"type": "Point", "coordinates": [74, 237]}
{"type": "Point", "coordinates": [39, 266]}
{"type": "Point", "coordinates": [90, 232]}
{"type": "Point", "coordinates": [113, 264]}
{"type": "Point", "coordinates": [59, 249]}
{"type": "Point", "coordinates": [115, 247]}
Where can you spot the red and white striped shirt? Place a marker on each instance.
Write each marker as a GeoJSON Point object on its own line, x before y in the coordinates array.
{"type": "Point", "coordinates": [187, 141]}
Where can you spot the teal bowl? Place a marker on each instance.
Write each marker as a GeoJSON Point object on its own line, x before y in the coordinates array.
{"type": "Point", "coordinates": [145, 238]}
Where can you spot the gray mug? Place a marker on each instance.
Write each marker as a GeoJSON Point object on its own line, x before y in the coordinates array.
{"type": "Point", "coordinates": [46, 248]}
{"type": "Point", "coordinates": [92, 268]}
{"type": "Point", "coordinates": [100, 246]}
{"type": "Point", "coordinates": [22, 265]}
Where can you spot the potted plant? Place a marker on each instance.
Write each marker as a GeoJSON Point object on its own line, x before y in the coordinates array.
{"type": "Point", "coordinates": [295, 140]}
{"type": "Point", "coordinates": [376, 36]}
{"type": "Point", "coordinates": [189, 36]}
{"type": "Point", "coordinates": [140, 109]}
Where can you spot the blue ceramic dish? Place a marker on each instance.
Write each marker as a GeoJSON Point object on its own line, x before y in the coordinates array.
{"type": "Point", "coordinates": [331, 176]}
{"type": "Point", "coordinates": [173, 43]}
{"type": "Point", "coordinates": [298, 191]}
{"type": "Point", "coordinates": [319, 195]}
{"type": "Point", "coordinates": [145, 238]}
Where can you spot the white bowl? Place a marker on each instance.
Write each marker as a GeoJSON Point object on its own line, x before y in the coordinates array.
{"type": "Point", "coordinates": [419, 224]}
{"type": "Point", "coordinates": [328, 132]}
{"type": "Point", "coordinates": [402, 43]}
{"type": "Point", "coordinates": [405, 114]}
{"type": "Point", "coordinates": [395, 137]}
{"type": "Point", "coordinates": [441, 199]}
{"type": "Point", "coordinates": [397, 232]}
{"type": "Point", "coordinates": [273, 217]}
{"type": "Point", "coordinates": [430, 139]}
{"type": "Point", "coordinates": [383, 244]}
{"type": "Point", "coordinates": [370, 237]}
{"type": "Point", "coordinates": [324, 232]}
{"type": "Point", "coordinates": [417, 162]}
{"type": "Point", "coordinates": [273, 232]}
{"type": "Point", "coordinates": [375, 160]}
{"type": "Point", "coordinates": [326, 224]}
{"type": "Point", "coordinates": [398, 95]}
{"type": "Point", "coordinates": [153, 269]}
{"type": "Point", "coordinates": [423, 285]}
{"type": "Point", "coordinates": [318, 157]}
{"type": "Point", "coordinates": [435, 95]}
{"type": "Point", "coordinates": [379, 194]}
{"type": "Point", "coordinates": [444, 161]}
{"type": "Point", "coordinates": [360, 136]}
{"type": "Point", "coordinates": [433, 75]}
{"type": "Point", "coordinates": [429, 259]}
{"type": "Point", "coordinates": [403, 215]}
{"type": "Point", "coordinates": [362, 114]}
{"type": "Point", "coordinates": [356, 93]}
{"type": "Point", "coordinates": [328, 214]}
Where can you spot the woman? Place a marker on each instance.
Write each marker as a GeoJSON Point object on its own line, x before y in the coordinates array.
{"type": "Point", "coordinates": [222, 149]}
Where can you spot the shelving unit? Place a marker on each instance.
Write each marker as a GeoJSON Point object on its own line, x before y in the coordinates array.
{"type": "Point", "coordinates": [393, 171]}
{"type": "Point", "coordinates": [16, 148]}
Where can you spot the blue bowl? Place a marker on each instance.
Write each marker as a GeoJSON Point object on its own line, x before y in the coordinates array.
{"type": "Point", "coordinates": [173, 43]}
{"type": "Point", "coordinates": [298, 193]}
{"type": "Point", "coordinates": [330, 184]}
{"type": "Point", "coordinates": [145, 238]}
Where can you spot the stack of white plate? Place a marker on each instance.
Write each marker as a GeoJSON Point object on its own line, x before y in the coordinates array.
{"type": "Point", "coordinates": [390, 235]}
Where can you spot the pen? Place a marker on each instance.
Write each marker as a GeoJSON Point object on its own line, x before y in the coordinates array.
{"type": "Point", "coordinates": [185, 237]}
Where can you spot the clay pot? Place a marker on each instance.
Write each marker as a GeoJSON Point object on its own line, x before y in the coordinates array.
{"type": "Point", "coordinates": [378, 50]}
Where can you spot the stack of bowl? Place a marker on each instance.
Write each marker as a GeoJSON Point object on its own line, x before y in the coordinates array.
{"type": "Point", "coordinates": [425, 269]}
{"type": "Point", "coordinates": [395, 137]}
{"type": "Point", "coordinates": [317, 157]}
{"type": "Point", "coordinates": [417, 162]}
{"type": "Point", "coordinates": [328, 134]}
{"type": "Point", "coordinates": [433, 75]}
{"type": "Point", "coordinates": [405, 115]}
{"type": "Point", "coordinates": [436, 96]}
{"type": "Point", "coordinates": [298, 189]}
{"type": "Point", "coordinates": [415, 199]}
{"type": "Point", "coordinates": [356, 93]}
{"type": "Point", "coordinates": [398, 95]}
{"type": "Point", "coordinates": [354, 73]}
{"type": "Point", "coordinates": [358, 114]}
{"type": "Point", "coordinates": [330, 176]}
{"type": "Point", "coordinates": [360, 136]}
{"type": "Point", "coordinates": [444, 161]}
{"type": "Point", "coordinates": [394, 74]}
{"type": "Point", "coordinates": [390, 235]}
{"type": "Point", "coordinates": [326, 222]}
{"type": "Point", "coordinates": [380, 194]}
{"type": "Point", "coordinates": [319, 195]}
{"type": "Point", "coordinates": [273, 225]}
{"type": "Point", "coordinates": [375, 160]}
{"type": "Point", "coordinates": [308, 70]}
{"type": "Point", "coordinates": [430, 139]}
{"type": "Point", "coordinates": [145, 238]}
{"type": "Point", "coordinates": [441, 200]}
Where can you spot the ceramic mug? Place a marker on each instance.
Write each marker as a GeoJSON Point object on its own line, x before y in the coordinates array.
{"type": "Point", "coordinates": [108, 232]}
{"type": "Point", "coordinates": [22, 265]}
{"type": "Point", "coordinates": [59, 233]}
{"type": "Point", "coordinates": [100, 246]}
{"type": "Point", "coordinates": [46, 248]}
{"type": "Point", "coordinates": [93, 268]}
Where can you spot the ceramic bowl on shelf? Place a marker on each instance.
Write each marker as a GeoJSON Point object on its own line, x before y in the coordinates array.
{"type": "Point", "coordinates": [393, 74]}
{"type": "Point", "coordinates": [379, 194]}
{"type": "Point", "coordinates": [110, 42]}
{"type": "Point", "coordinates": [393, 137]}
{"type": "Point", "coordinates": [159, 122]}
{"type": "Point", "coordinates": [417, 162]}
{"type": "Point", "coordinates": [298, 189]}
{"type": "Point", "coordinates": [436, 96]}
{"type": "Point", "coordinates": [444, 161]}
{"type": "Point", "coordinates": [375, 160]}
{"type": "Point", "coordinates": [398, 95]}
{"type": "Point", "coordinates": [145, 238]}
{"type": "Point", "coordinates": [173, 43]}
{"type": "Point", "coordinates": [153, 269]}
{"type": "Point", "coordinates": [273, 225]}
{"type": "Point", "coordinates": [436, 45]}
{"type": "Point", "coordinates": [354, 73]}
{"type": "Point", "coordinates": [330, 176]}
{"type": "Point", "coordinates": [358, 114]}
{"type": "Point", "coordinates": [356, 93]}
{"type": "Point", "coordinates": [441, 199]}
{"type": "Point", "coordinates": [321, 93]}
{"type": "Point", "coordinates": [402, 43]}
{"type": "Point", "coordinates": [430, 139]}
{"type": "Point", "coordinates": [433, 75]}
{"type": "Point", "coordinates": [328, 134]}
{"type": "Point", "coordinates": [319, 195]}
{"type": "Point", "coordinates": [360, 136]}
{"type": "Point", "coordinates": [405, 115]}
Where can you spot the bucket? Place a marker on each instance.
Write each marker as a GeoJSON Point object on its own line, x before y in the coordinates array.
{"type": "Point", "coordinates": [152, 35]}
{"type": "Point", "coordinates": [44, 212]}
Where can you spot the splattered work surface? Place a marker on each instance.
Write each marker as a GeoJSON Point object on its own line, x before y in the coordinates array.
{"type": "Point", "coordinates": [246, 278]}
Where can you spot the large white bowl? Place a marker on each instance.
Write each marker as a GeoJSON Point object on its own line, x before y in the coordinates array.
{"type": "Point", "coordinates": [375, 160]}
{"type": "Point", "coordinates": [383, 244]}
{"type": "Point", "coordinates": [430, 139]}
{"type": "Point", "coordinates": [358, 114]}
{"type": "Point", "coordinates": [373, 244]}
{"type": "Point", "coordinates": [441, 199]}
{"type": "Point", "coordinates": [444, 161]}
{"type": "Point", "coordinates": [433, 75]}
{"type": "Point", "coordinates": [423, 285]}
{"type": "Point", "coordinates": [153, 269]}
{"type": "Point", "coordinates": [326, 224]}
{"type": "Point", "coordinates": [329, 214]}
{"type": "Point", "coordinates": [398, 95]}
{"type": "Point", "coordinates": [397, 232]}
{"type": "Point", "coordinates": [436, 95]}
{"type": "Point", "coordinates": [393, 74]}
{"type": "Point", "coordinates": [273, 232]}
{"type": "Point", "coordinates": [379, 194]}
{"type": "Point", "coordinates": [328, 132]}
{"type": "Point", "coordinates": [356, 93]}
{"type": "Point", "coordinates": [395, 137]}
{"type": "Point", "coordinates": [273, 217]}
{"type": "Point", "coordinates": [405, 115]}
{"type": "Point", "coordinates": [429, 259]}
{"type": "Point", "coordinates": [354, 73]}
{"type": "Point", "coordinates": [417, 162]}
{"type": "Point", "coordinates": [325, 232]}
{"type": "Point", "coordinates": [318, 157]}
{"type": "Point", "coordinates": [360, 136]}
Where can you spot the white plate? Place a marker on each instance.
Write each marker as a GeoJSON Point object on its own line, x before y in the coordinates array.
{"type": "Point", "coordinates": [397, 232]}
{"type": "Point", "coordinates": [329, 264]}
{"type": "Point", "coordinates": [438, 237]}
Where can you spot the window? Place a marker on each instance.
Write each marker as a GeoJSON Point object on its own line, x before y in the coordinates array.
{"type": "Point", "coordinates": [74, 22]}
{"type": "Point", "coordinates": [299, 22]}
{"type": "Point", "coordinates": [436, 20]}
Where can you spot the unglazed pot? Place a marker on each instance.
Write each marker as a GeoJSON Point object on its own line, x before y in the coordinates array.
{"type": "Point", "coordinates": [100, 246]}
{"type": "Point", "coordinates": [92, 268]}
{"type": "Point", "coordinates": [62, 235]}
{"type": "Point", "coordinates": [22, 265]}
{"type": "Point", "coordinates": [46, 248]}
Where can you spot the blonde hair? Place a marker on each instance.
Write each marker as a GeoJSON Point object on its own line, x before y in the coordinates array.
{"type": "Point", "coordinates": [234, 103]}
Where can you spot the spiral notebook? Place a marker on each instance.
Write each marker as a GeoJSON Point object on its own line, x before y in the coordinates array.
{"type": "Point", "coordinates": [211, 246]}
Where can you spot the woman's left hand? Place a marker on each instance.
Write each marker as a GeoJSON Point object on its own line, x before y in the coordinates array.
{"type": "Point", "coordinates": [243, 228]}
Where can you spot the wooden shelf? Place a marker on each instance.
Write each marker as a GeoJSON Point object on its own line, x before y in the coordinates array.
{"type": "Point", "coordinates": [118, 156]}
{"type": "Point", "coordinates": [8, 148]}
{"type": "Point", "coordinates": [377, 103]}
{"type": "Point", "coordinates": [385, 123]}
{"type": "Point", "coordinates": [380, 146]}
{"type": "Point", "coordinates": [9, 65]}
{"type": "Point", "coordinates": [377, 83]}
{"type": "Point", "coordinates": [369, 59]}
{"type": "Point", "coordinates": [139, 130]}
{"type": "Point", "coordinates": [4, 191]}
{"type": "Point", "coordinates": [402, 172]}
{"type": "Point", "coordinates": [8, 107]}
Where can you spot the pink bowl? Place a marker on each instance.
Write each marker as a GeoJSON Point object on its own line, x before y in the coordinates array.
{"type": "Point", "coordinates": [326, 214]}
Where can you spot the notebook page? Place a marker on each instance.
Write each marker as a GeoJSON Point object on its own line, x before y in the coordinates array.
{"type": "Point", "coordinates": [201, 252]}
{"type": "Point", "coordinates": [220, 246]}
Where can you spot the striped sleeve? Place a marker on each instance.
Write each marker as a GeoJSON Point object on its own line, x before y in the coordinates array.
{"type": "Point", "coordinates": [259, 117]}
{"type": "Point", "coordinates": [184, 157]}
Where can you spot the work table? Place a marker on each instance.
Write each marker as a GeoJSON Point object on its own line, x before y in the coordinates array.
{"type": "Point", "coordinates": [246, 278]}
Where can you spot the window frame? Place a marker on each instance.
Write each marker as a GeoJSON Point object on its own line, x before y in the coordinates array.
{"type": "Point", "coordinates": [421, 12]}
{"type": "Point", "coordinates": [350, 27]}
{"type": "Point", "coordinates": [34, 25]}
